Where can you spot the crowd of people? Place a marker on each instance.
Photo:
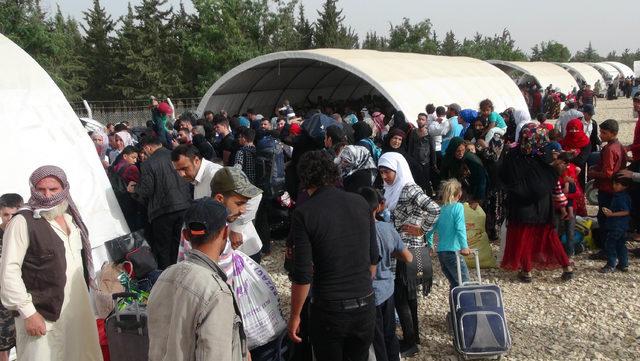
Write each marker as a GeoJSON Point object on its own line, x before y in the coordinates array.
{"type": "Point", "coordinates": [366, 200]}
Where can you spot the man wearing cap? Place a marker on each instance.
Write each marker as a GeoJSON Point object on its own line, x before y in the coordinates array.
{"type": "Point", "coordinates": [634, 148]}
{"type": "Point", "coordinates": [45, 273]}
{"type": "Point", "coordinates": [231, 187]}
{"type": "Point", "coordinates": [335, 248]}
{"type": "Point", "coordinates": [192, 311]}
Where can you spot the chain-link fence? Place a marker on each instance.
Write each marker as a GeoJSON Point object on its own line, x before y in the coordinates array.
{"type": "Point", "coordinates": [136, 112]}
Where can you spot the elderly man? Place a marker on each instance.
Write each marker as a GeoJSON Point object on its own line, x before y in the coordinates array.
{"type": "Point", "coordinates": [46, 267]}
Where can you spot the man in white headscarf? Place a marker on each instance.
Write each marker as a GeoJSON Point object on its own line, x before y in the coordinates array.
{"type": "Point", "coordinates": [45, 272]}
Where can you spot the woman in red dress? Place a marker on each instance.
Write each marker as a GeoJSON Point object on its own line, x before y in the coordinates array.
{"type": "Point", "coordinates": [530, 180]}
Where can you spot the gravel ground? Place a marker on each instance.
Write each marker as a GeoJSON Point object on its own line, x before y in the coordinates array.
{"type": "Point", "coordinates": [593, 317]}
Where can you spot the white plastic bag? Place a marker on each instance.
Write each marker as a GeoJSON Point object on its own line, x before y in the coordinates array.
{"type": "Point", "coordinates": [257, 298]}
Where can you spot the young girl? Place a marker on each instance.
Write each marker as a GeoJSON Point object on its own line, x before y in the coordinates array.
{"type": "Point", "coordinates": [452, 232]}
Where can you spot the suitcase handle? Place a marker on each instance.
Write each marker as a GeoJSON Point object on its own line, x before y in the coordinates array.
{"type": "Point", "coordinates": [119, 322]}
{"type": "Point", "coordinates": [476, 255]}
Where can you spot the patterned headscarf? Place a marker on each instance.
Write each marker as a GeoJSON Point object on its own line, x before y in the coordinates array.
{"type": "Point", "coordinates": [532, 139]}
{"type": "Point", "coordinates": [353, 158]}
{"type": "Point", "coordinates": [39, 203]}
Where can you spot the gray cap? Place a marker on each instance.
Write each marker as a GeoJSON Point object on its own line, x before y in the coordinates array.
{"type": "Point", "coordinates": [231, 179]}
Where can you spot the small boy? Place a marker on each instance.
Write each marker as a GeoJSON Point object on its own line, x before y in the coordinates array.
{"type": "Point", "coordinates": [9, 205]}
{"type": "Point", "coordinates": [385, 342]}
{"type": "Point", "coordinates": [246, 155]}
{"type": "Point", "coordinates": [566, 225]}
{"type": "Point", "coordinates": [617, 224]}
{"type": "Point", "coordinates": [553, 147]}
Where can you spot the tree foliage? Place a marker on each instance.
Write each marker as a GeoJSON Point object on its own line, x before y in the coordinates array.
{"type": "Point", "coordinates": [550, 51]}
{"type": "Point", "coordinates": [155, 49]}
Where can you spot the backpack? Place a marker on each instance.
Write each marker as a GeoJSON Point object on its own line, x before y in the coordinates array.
{"type": "Point", "coordinates": [117, 182]}
{"type": "Point", "coordinates": [376, 152]}
{"type": "Point", "coordinates": [270, 166]}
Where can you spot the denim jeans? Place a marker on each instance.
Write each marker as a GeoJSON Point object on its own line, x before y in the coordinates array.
{"type": "Point", "coordinates": [448, 264]}
{"type": "Point", "coordinates": [566, 227]}
{"type": "Point", "coordinates": [616, 247]}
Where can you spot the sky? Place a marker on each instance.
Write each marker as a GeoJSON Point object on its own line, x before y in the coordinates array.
{"type": "Point", "coordinates": [608, 24]}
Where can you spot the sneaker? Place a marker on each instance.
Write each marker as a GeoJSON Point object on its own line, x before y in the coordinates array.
{"type": "Point", "coordinates": [622, 269]}
{"type": "Point", "coordinates": [600, 255]}
{"type": "Point", "coordinates": [524, 278]}
{"type": "Point", "coordinates": [411, 351]}
{"type": "Point", "coordinates": [607, 269]}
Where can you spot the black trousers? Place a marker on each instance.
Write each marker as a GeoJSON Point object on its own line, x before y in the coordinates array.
{"type": "Point", "coordinates": [342, 335]}
{"type": "Point", "coordinates": [165, 230]}
{"type": "Point", "coordinates": [385, 341]}
{"type": "Point", "coordinates": [262, 224]}
{"type": "Point", "coordinates": [407, 308]}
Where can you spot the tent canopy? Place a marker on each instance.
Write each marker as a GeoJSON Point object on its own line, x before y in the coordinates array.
{"type": "Point", "coordinates": [49, 132]}
{"type": "Point", "coordinates": [607, 71]}
{"type": "Point", "coordinates": [544, 73]}
{"type": "Point", "coordinates": [407, 81]}
{"type": "Point", "coordinates": [622, 68]}
{"type": "Point", "coordinates": [584, 72]}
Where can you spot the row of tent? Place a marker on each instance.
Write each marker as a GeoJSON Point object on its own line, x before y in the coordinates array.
{"type": "Point", "coordinates": [407, 81]}
{"type": "Point", "coordinates": [41, 127]}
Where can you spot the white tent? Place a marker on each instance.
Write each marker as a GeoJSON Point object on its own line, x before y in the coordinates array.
{"type": "Point", "coordinates": [624, 70]}
{"type": "Point", "coordinates": [408, 81]}
{"type": "Point", "coordinates": [636, 68]}
{"type": "Point", "coordinates": [607, 71]}
{"type": "Point", "coordinates": [586, 73]}
{"type": "Point", "coordinates": [41, 128]}
{"type": "Point", "coordinates": [544, 73]}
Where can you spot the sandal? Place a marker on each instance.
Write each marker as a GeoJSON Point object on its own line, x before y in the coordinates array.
{"type": "Point", "coordinates": [525, 277]}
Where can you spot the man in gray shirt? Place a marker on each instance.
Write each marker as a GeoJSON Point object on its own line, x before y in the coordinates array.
{"type": "Point", "coordinates": [193, 314]}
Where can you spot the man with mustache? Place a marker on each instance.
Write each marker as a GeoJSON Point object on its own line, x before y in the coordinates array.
{"type": "Point", "coordinates": [46, 271]}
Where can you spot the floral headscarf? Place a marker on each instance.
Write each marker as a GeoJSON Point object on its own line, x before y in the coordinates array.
{"type": "Point", "coordinates": [532, 139]}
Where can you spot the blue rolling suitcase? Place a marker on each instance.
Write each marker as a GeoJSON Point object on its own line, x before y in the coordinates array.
{"type": "Point", "coordinates": [477, 318]}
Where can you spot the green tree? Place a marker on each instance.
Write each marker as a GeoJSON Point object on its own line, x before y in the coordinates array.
{"type": "Point", "coordinates": [373, 41]}
{"type": "Point", "coordinates": [450, 46]}
{"type": "Point", "coordinates": [589, 54]}
{"type": "Point", "coordinates": [498, 47]}
{"type": "Point", "coordinates": [128, 60]}
{"type": "Point", "coordinates": [418, 38]}
{"type": "Point", "coordinates": [304, 29]}
{"type": "Point", "coordinates": [550, 51]}
{"type": "Point", "coordinates": [330, 32]}
{"type": "Point", "coordinates": [281, 28]}
{"type": "Point", "coordinates": [182, 26]}
{"type": "Point", "coordinates": [97, 52]}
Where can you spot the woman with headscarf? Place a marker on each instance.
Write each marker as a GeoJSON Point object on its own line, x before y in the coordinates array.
{"type": "Point", "coordinates": [122, 139]}
{"type": "Point", "coordinates": [469, 116]}
{"type": "Point", "coordinates": [467, 168]}
{"type": "Point", "coordinates": [395, 141]}
{"type": "Point", "coordinates": [522, 118]}
{"type": "Point", "coordinates": [577, 142]}
{"type": "Point", "coordinates": [530, 182]}
{"type": "Point", "coordinates": [357, 167]}
{"type": "Point", "coordinates": [413, 214]}
{"type": "Point", "coordinates": [101, 142]}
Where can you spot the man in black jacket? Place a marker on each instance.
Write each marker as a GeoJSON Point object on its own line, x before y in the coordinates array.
{"type": "Point", "coordinates": [335, 248]}
{"type": "Point", "coordinates": [166, 195]}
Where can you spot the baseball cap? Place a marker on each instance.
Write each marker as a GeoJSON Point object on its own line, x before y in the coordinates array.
{"type": "Point", "coordinates": [204, 217]}
{"type": "Point", "coordinates": [455, 106]}
{"type": "Point", "coordinates": [231, 179]}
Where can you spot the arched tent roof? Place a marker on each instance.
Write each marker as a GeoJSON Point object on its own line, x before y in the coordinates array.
{"type": "Point", "coordinates": [584, 72]}
{"type": "Point", "coordinates": [622, 68]}
{"type": "Point", "coordinates": [39, 127]}
{"type": "Point", "coordinates": [408, 81]}
{"type": "Point", "coordinates": [544, 73]}
{"type": "Point", "coordinates": [607, 71]}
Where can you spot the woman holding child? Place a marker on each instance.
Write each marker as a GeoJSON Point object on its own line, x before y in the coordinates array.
{"type": "Point", "coordinates": [529, 181]}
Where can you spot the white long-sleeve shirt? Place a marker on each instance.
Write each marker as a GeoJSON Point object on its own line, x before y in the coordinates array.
{"type": "Point", "coordinates": [437, 129]}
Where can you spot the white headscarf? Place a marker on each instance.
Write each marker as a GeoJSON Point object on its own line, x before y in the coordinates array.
{"type": "Point", "coordinates": [521, 118]}
{"type": "Point", "coordinates": [397, 163]}
{"type": "Point", "coordinates": [126, 138]}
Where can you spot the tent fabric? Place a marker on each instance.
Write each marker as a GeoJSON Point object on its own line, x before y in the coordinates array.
{"type": "Point", "coordinates": [544, 73]}
{"type": "Point", "coordinates": [622, 68]}
{"type": "Point", "coordinates": [408, 81]}
{"type": "Point", "coordinates": [583, 71]}
{"type": "Point", "coordinates": [41, 128]}
{"type": "Point", "coordinates": [607, 70]}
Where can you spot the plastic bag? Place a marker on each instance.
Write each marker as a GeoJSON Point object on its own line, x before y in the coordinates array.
{"type": "Point", "coordinates": [257, 299]}
{"type": "Point", "coordinates": [477, 237]}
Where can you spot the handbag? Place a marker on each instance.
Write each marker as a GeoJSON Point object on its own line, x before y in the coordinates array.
{"type": "Point", "coordinates": [142, 262]}
{"type": "Point", "coordinates": [424, 269]}
{"type": "Point", "coordinates": [120, 246]}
